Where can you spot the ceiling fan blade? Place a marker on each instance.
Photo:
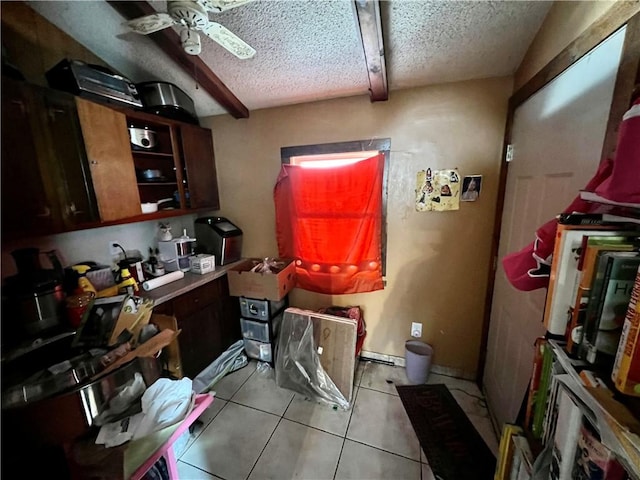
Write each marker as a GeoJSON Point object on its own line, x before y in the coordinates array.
{"type": "Point", "coordinates": [222, 5]}
{"type": "Point", "coordinates": [229, 40]}
{"type": "Point", "coordinates": [150, 23]}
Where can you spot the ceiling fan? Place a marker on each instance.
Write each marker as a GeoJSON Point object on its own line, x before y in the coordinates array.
{"type": "Point", "coordinates": [191, 16]}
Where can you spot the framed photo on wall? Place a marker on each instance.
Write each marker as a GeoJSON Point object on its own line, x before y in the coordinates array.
{"type": "Point", "coordinates": [471, 186]}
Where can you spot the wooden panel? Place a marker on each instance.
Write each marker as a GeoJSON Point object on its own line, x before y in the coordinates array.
{"type": "Point", "coordinates": [613, 19]}
{"type": "Point", "coordinates": [627, 79]}
{"type": "Point", "coordinates": [337, 336]}
{"type": "Point", "coordinates": [196, 299]}
{"type": "Point", "coordinates": [25, 201]}
{"type": "Point", "coordinates": [172, 351]}
{"type": "Point", "coordinates": [370, 26]}
{"type": "Point", "coordinates": [112, 171]}
{"type": "Point", "coordinates": [200, 340]}
{"type": "Point", "coordinates": [199, 160]}
{"type": "Point", "coordinates": [75, 190]}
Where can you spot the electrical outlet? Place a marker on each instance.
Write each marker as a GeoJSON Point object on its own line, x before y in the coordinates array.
{"type": "Point", "coordinates": [416, 329]}
{"type": "Point", "coordinates": [113, 250]}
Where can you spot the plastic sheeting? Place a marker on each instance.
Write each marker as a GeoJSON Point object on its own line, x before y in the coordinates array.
{"type": "Point", "coordinates": [298, 366]}
{"type": "Point", "coordinates": [231, 360]}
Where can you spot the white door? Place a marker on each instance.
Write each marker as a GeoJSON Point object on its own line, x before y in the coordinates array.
{"type": "Point", "coordinates": [557, 138]}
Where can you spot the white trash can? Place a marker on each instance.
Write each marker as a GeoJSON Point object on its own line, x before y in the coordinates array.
{"type": "Point", "coordinates": [417, 356]}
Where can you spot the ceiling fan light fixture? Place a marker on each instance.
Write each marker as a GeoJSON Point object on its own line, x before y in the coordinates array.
{"type": "Point", "coordinates": [190, 41]}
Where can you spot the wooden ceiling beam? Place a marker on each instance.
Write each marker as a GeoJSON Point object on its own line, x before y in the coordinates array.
{"type": "Point", "coordinates": [368, 19]}
{"type": "Point", "coordinates": [169, 41]}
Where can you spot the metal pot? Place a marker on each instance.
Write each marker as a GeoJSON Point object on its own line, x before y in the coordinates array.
{"type": "Point", "coordinates": [151, 174]}
{"type": "Point", "coordinates": [167, 100]}
{"type": "Point", "coordinates": [35, 296]}
{"type": "Point", "coordinates": [66, 416]}
{"type": "Point", "coordinates": [40, 310]}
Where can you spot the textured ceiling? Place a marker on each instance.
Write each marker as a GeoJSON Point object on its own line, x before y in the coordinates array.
{"type": "Point", "coordinates": [311, 50]}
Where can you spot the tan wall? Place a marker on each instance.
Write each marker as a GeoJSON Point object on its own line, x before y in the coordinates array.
{"type": "Point", "coordinates": [563, 24]}
{"type": "Point", "coordinates": [34, 45]}
{"type": "Point", "coordinates": [436, 262]}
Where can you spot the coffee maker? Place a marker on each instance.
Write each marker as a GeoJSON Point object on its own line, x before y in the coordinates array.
{"type": "Point", "coordinates": [175, 253]}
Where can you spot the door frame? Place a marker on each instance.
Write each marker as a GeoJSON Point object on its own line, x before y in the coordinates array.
{"type": "Point", "coordinates": [628, 79]}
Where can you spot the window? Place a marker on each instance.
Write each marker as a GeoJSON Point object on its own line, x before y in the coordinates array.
{"type": "Point", "coordinates": [330, 214]}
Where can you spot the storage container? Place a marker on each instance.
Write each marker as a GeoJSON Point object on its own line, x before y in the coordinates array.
{"type": "Point", "coordinates": [260, 309]}
{"type": "Point", "coordinates": [258, 350]}
{"type": "Point", "coordinates": [255, 330]}
{"type": "Point", "coordinates": [271, 286]}
{"type": "Point", "coordinates": [261, 331]}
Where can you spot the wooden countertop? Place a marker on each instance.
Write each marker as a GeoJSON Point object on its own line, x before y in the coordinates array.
{"type": "Point", "coordinates": [190, 281]}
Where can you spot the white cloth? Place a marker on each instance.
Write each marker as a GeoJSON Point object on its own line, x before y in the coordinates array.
{"type": "Point", "coordinates": [164, 403]}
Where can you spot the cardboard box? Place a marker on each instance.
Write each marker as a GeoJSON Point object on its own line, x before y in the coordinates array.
{"type": "Point", "coordinates": [269, 286]}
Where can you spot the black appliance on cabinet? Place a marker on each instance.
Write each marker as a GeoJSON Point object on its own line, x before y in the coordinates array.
{"type": "Point", "coordinates": [220, 237]}
{"type": "Point", "coordinates": [93, 82]}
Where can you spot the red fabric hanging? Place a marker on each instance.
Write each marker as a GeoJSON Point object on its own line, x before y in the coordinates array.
{"type": "Point", "coordinates": [329, 220]}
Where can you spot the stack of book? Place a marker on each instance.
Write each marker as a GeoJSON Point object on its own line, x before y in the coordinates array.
{"type": "Point", "coordinates": [592, 275]}
{"type": "Point", "coordinates": [576, 419]}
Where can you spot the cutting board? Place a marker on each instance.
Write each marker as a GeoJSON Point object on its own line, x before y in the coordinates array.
{"type": "Point", "coordinates": [335, 339]}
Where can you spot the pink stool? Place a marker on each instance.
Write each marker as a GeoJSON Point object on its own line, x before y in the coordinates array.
{"type": "Point", "coordinates": [166, 449]}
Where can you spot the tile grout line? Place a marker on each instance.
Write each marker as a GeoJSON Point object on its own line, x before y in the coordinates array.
{"type": "Point", "coordinates": [270, 437]}
{"type": "Point", "coordinates": [207, 425]}
{"type": "Point", "coordinates": [385, 451]}
{"type": "Point", "coordinates": [202, 470]}
{"type": "Point", "coordinates": [344, 438]}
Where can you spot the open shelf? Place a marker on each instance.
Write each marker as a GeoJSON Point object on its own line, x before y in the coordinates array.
{"type": "Point", "coordinates": [157, 184]}
{"type": "Point", "coordinates": [149, 153]}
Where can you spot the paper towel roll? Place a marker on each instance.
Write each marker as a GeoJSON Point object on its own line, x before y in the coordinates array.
{"type": "Point", "coordinates": [163, 280]}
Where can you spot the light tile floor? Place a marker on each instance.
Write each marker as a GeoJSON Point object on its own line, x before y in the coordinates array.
{"type": "Point", "coordinates": [256, 430]}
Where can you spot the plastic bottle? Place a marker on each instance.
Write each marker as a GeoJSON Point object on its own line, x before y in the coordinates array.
{"type": "Point", "coordinates": [128, 284]}
{"type": "Point", "coordinates": [83, 282]}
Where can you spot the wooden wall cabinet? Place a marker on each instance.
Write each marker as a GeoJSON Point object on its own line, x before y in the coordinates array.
{"type": "Point", "coordinates": [45, 177]}
{"type": "Point", "coordinates": [209, 320]}
{"type": "Point", "coordinates": [68, 164]}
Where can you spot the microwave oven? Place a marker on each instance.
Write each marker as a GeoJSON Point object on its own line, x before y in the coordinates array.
{"type": "Point", "coordinates": [93, 82]}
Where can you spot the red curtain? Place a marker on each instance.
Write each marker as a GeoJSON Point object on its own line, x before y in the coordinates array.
{"type": "Point", "coordinates": [329, 220]}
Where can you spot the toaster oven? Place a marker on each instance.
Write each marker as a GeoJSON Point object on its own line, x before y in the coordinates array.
{"type": "Point", "coordinates": [94, 82]}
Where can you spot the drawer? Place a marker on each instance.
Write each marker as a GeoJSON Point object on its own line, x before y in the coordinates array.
{"type": "Point", "coordinates": [255, 330]}
{"type": "Point", "coordinates": [260, 309]}
{"type": "Point", "coordinates": [258, 350]}
{"type": "Point", "coordinates": [261, 331]}
{"type": "Point", "coordinates": [196, 299]}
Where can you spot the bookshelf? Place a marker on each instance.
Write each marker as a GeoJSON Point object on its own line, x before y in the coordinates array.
{"type": "Point", "coordinates": [574, 413]}
{"type": "Point", "coordinates": [613, 421]}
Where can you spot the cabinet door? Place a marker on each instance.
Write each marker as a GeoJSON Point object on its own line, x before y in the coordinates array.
{"type": "Point", "coordinates": [26, 205]}
{"type": "Point", "coordinates": [199, 161]}
{"type": "Point", "coordinates": [229, 308]}
{"type": "Point", "coordinates": [112, 171]}
{"type": "Point", "coordinates": [75, 190]}
{"type": "Point", "coordinates": [200, 340]}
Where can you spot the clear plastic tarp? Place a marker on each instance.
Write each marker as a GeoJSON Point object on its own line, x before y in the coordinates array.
{"type": "Point", "coordinates": [298, 365]}
{"type": "Point", "coordinates": [231, 360]}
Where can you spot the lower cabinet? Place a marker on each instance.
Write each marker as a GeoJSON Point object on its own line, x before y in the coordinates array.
{"type": "Point", "coordinates": [208, 319]}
